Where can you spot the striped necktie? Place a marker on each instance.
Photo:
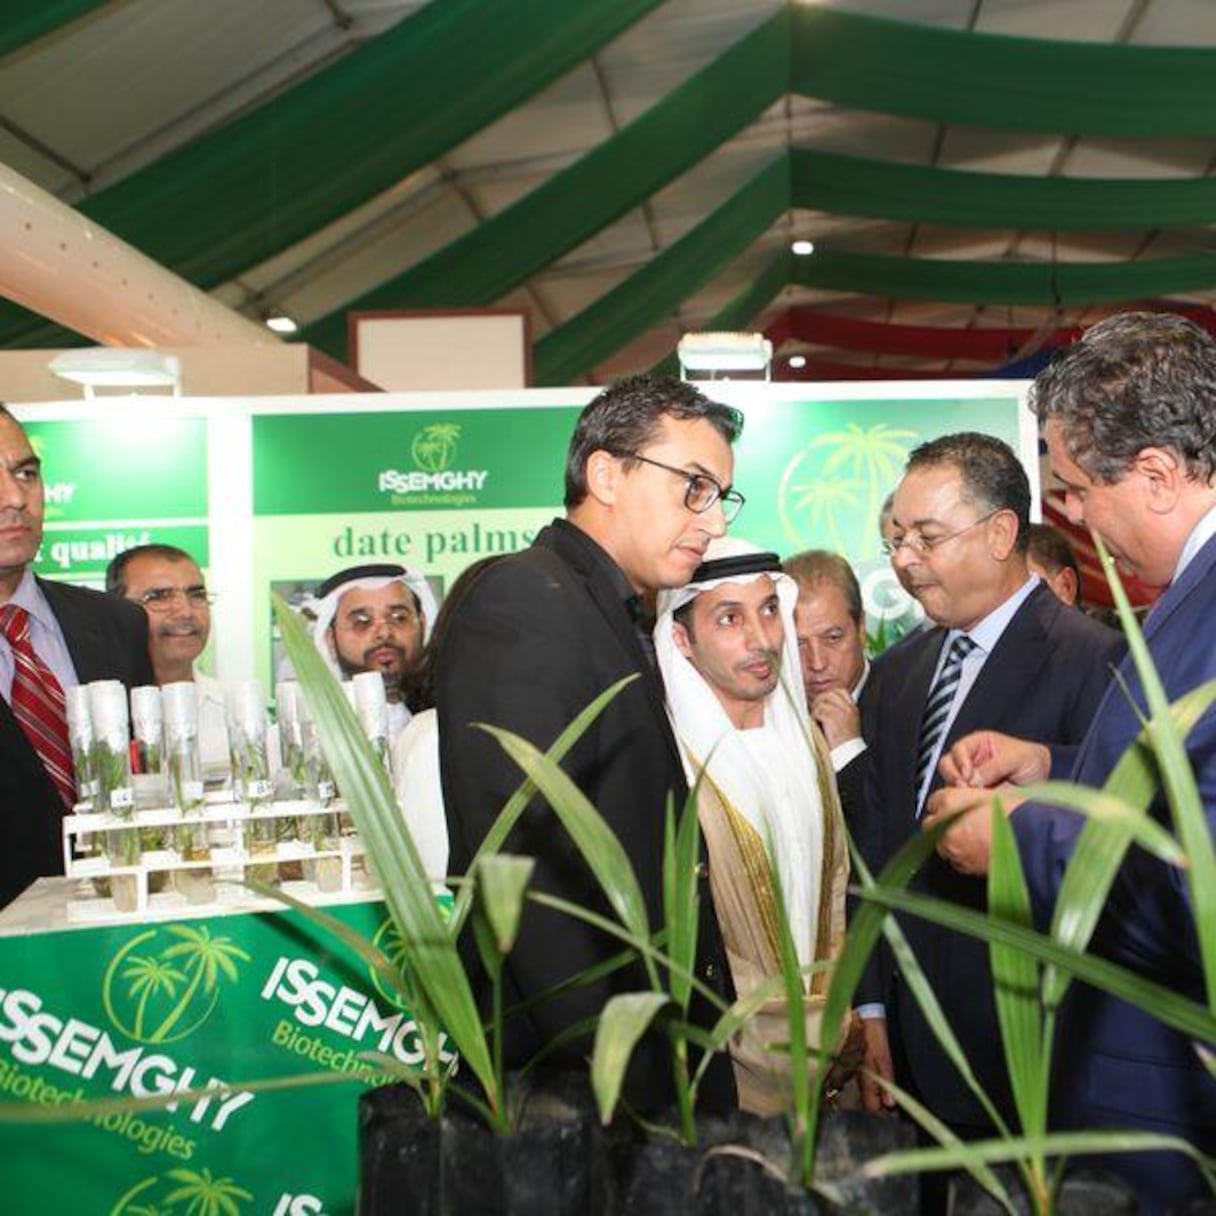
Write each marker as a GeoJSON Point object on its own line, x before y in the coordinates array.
{"type": "Point", "coordinates": [37, 703]}
{"type": "Point", "coordinates": [937, 707]}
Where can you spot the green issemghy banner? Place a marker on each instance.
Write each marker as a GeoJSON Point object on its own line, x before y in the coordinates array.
{"type": "Point", "coordinates": [138, 1010]}
{"type": "Point", "coordinates": [277, 494]}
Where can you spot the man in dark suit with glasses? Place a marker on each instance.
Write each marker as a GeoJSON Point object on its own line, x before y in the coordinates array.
{"type": "Point", "coordinates": [1003, 650]}
{"type": "Point", "coordinates": [544, 632]}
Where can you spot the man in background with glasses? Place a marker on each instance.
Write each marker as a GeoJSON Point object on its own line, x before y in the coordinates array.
{"type": "Point", "coordinates": [52, 636]}
{"type": "Point", "coordinates": [375, 617]}
{"type": "Point", "coordinates": [1004, 650]}
{"type": "Point", "coordinates": [167, 583]}
{"type": "Point", "coordinates": [543, 633]}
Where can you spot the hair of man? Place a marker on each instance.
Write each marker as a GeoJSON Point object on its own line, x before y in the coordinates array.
{"type": "Point", "coordinates": [420, 691]}
{"type": "Point", "coordinates": [1134, 381]}
{"type": "Point", "coordinates": [625, 416]}
{"type": "Point", "coordinates": [1049, 547]}
{"type": "Point", "coordinates": [991, 474]}
{"type": "Point", "coordinates": [683, 616]}
{"type": "Point", "coordinates": [116, 571]}
{"type": "Point", "coordinates": [813, 567]}
{"type": "Point", "coordinates": [884, 515]}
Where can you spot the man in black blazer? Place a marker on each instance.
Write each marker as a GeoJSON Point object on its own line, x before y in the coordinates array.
{"type": "Point", "coordinates": [541, 635]}
{"type": "Point", "coordinates": [1034, 668]}
{"type": "Point", "coordinates": [80, 635]}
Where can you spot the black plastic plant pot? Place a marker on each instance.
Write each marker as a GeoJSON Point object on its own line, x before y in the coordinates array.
{"type": "Point", "coordinates": [741, 1165]}
{"type": "Point", "coordinates": [850, 1138]}
{"type": "Point", "coordinates": [398, 1153]}
{"type": "Point", "coordinates": [1083, 1193]}
{"type": "Point", "coordinates": [554, 1161]}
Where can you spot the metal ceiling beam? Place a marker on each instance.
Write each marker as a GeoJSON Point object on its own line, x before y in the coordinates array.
{"type": "Point", "coordinates": [56, 262]}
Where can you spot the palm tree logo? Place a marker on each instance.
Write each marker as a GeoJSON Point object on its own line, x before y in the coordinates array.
{"type": "Point", "coordinates": [822, 500]}
{"type": "Point", "coordinates": [390, 943]}
{"type": "Point", "coordinates": [205, 1195]}
{"type": "Point", "coordinates": [434, 447]}
{"type": "Point", "coordinates": [876, 455]}
{"type": "Point", "coordinates": [150, 975]}
{"type": "Point", "coordinates": [833, 501]}
{"type": "Point", "coordinates": [189, 1193]}
{"type": "Point", "coordinates": [161, 995]}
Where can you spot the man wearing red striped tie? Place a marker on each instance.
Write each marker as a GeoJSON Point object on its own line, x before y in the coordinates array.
{"type": "Point", "coordinates": [52, 636]}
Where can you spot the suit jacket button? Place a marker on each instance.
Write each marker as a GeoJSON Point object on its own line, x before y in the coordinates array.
{"type": "Point", "coordinates": [701, 871]}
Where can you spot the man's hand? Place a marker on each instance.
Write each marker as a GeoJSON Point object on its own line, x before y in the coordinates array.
{"type": "Point", "coordinates": [877, 1059]}
{"type": "Point", "coordinates": [837, 715]}
{"type": "Point", "coordinates": [967, 844]}
{"type": "Point", "coordinates": [849, 1056]}
{"type": "Point", "coordinates": [987, 758]}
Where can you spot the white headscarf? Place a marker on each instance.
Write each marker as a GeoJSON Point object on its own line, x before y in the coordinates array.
{"type": "Point", "coordinates": [364, 578]}
{"type": "Point", "coordinates": [772, 781]}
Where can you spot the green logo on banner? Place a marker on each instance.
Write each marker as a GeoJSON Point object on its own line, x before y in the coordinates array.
{"type": "Point", "coordinates": [831, 491]}
{"type": "Point", "coordinates": [193, 1192]}
{"type": "Point", "coordinates": [434, 446]}
{"type": "Point", "coordinates": [433, 482]}
{"type": "Point", "coordinates": [166, 982]}
{"type": "Point", "coordinates": [388, 942]}
{"type": "Point", "coordinates": [409, 460]}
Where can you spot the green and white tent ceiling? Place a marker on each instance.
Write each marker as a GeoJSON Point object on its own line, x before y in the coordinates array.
{"type": "Point", "coordinates": [627, 170]}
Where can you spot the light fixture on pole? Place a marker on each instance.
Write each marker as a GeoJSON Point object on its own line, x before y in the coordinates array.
{"type": "Point", "coordinates": [281, 323]}
{"type": "Point", "coordinates": [118, 368]}
{"type": "Point", "coordinates": [724, 356]}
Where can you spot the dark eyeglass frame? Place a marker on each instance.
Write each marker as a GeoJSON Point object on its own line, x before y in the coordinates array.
{"type": "Point", "coordinates": [696, 486]}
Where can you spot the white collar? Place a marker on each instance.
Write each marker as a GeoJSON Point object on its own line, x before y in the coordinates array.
{"type": "Point", "coordinates": [1201, 533]}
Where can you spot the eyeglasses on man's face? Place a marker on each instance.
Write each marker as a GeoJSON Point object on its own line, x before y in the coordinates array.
{"type": "Point", "coordinates": [927, 544]}
{"type": "Point", "coordinates": [161, 599]}
{"type": "Point", "coordinates": [701, 491]}
{"type": "Point", "coordinates": [361, 622]}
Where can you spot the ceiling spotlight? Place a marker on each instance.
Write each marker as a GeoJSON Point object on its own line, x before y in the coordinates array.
{"type": "Point", "coordinates": [802, 248]}
{"type": "Point", "coordinates": [797, 360]}
{"type": "Point", "coordinates": [281, 323]}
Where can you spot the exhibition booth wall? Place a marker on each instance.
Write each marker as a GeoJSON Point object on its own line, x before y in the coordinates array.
{"type": "Point", "coordinates": [277, 493]}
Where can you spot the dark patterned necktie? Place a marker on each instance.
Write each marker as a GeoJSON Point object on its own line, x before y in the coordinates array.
{"type": "Point", "coordinates": [937, 707]}
{"type": "Point", "coordinates": [37, 703]}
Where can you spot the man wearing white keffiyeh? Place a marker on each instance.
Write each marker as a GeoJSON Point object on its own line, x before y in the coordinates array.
{"type": "Point", "coordinates": [728, 654]}
{"type": "Point", "coordinates": [374, 618]}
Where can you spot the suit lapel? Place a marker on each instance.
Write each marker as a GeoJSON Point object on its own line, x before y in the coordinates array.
{"type": "Point", "coordinates": [1010, 670]}
{"type": "Point", "coordinates": [1175, 594]}
{"type": "Point", "coordinates": [1160, 643]}
{"type": "Point", "coordinates": [607, 599]}
{"type": "Point", "coordinates": [80, 631]}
